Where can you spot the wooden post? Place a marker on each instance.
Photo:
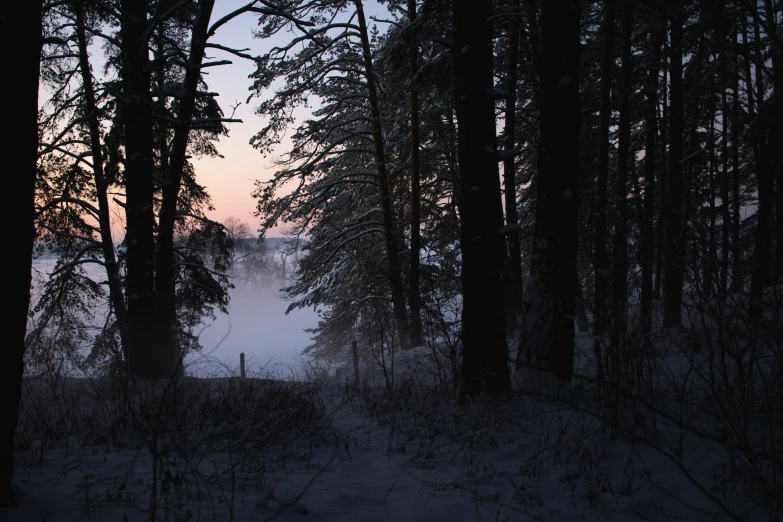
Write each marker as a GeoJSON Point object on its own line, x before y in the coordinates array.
{"type": "Point", "coordinates": [355, 363]}
{"type": "Point", "coordinates": [242, 365]}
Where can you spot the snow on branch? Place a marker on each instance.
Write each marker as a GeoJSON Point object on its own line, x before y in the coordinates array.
{"type": "Point", "coordinates": [236, 52]}
{"type": "Point", "coordinates": [215, 64]}
{"type": "Point", "coordinates": [270, 9]}
{"type": "Point", "coordinates": [345, 178]}
{"type": "Point", "coordinates": [376, 230]}
{"type": "Point", "coordinates": [196, 266]}
{"type": "Point", "coordinates": [77, 260]}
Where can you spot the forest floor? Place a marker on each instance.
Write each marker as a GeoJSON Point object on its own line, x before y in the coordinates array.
{"type": "Point", "coordinates": [258, 449]}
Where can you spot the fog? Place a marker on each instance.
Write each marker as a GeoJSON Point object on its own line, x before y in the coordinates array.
{"type": "Point", "coordinates": [256, 325]}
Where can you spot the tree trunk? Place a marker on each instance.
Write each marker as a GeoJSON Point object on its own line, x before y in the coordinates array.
{"type": "Point", "coordinates": [691, 169]}
{"type": "Point", "coordinates": [620, 251]}
{"type": "Point", "coordinates": [484, 351]}
{"type": "Point", "coordinates": [724, 180]}
{"type": "Point", "coordinates": [514, 285]}
{"type": "Point", "coordinates": [674, 233]}
{"type": "Point", "coordinates": [395, 272]}
{"type": "Point", "coordinates": [415, 269]}
{"type": "Point", "coordinates": [165, 269]}
{"type": "Point", "coordinates": [135, 107]}
{"type": "Point", "coordinates": [451, 159]}
{"type": "Point", "coordinates": [710, 243]}
{"type": "Point", "coordinates": [647, 249]}
{"type": "Point", "coordinates": [602, 205]}
{"type": "Point", "coordinates": [737, 275]}
{"type": "Point", "coordinates": [662, 179]}
{"type": "Point", "coordinates": [776, 105]}
{"type": "Point", "coordinates": [557, 205]}
{"type": "Point", "coordinates": [620, 247]}
{"type": "Point", "coordinates": [761, 270]}
{"type": "Point", "coordinates": [116, 294]}
{"type": "Point", "coordinates": [21, 153]}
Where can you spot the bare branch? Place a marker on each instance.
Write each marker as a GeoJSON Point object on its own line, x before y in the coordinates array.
{"type": "Point", "coordinates": [87, 206]}
{"type": "Point", "coordinates": [236, 52]}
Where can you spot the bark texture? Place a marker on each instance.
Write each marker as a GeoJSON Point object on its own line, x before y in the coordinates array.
{"type": "Point", "coordinates": [484, 360]}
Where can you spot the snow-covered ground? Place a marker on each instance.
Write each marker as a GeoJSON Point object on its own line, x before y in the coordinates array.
{"type": "Point", "coordinates": [264, 450]}
{"type": "Point", "coordinates": [229, 449]}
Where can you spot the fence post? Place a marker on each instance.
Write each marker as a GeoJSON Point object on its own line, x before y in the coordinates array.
{"type": "Point", "coordinates": [242, 365]}
{"type": "Point", "coordinates": [355, 363]}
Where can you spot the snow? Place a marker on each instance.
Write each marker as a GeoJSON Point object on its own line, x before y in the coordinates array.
{"type": "Point", "coordinates": [425, 459]}
{"type": "Point", "coordinates": [229, 449]}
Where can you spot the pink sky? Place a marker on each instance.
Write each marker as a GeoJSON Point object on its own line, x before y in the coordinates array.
{"type": "Point", "coordinates": [230, 180]}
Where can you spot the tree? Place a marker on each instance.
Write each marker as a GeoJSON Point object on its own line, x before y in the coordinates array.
{"type": "Point", "coordinates": [604, 121]}
{"type": "Point", "coordinates": [484, 351]}
{"type": "Point", "coordinates": [81, 162]}
{"type": "Point", "coordinates": [100, 178]}
{"type": "Point", "coordinates": [514, 285]}
{"type": "Point", "coordinates": [166, 263]}
{"type": "Point", "coordinates": [338, 64]}
{"type": "Point", "coordinates": [145, 329]}
{"type": "Point", "coordinates": [23, 145]}
{"type": "Point", "coordinates": [647, 247]}
{"type": "Point", "coordinates": [558, 191]}
{"type": "Point", "coordinates": [415, 250]}
{"type": "Point", "coordinates": [673, 212]}
{"type": "Point", "coordinates": [624, 160]}
{"type": "Point", "coordinates": [602, 270]}
{"type": "Point", "coordinates": [238, 232]}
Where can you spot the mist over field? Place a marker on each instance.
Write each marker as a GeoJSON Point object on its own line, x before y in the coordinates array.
{"type": "Point", "coordinates": [256, 325]}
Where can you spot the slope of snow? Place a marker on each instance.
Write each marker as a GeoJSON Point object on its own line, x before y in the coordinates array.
{"type": "Point", "coordinates": [408, 456]}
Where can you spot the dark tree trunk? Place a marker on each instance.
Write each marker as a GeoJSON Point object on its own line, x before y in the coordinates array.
{"type": "Point", "coordinates": [662, 179]}
{"type": "Point", "coordinates": [514, 285]}
{"type": "Point", "coordinates": [724, 180]}
{"type": "Point", "coordinates": [415, 269]}
{"type": "Point", "coordinates": [761, 270]}
{"type": "Point", "coordinates": [451, 159]}
{"type": "Point", "coordinates": [165, 270]}
{"type": "Point", "coordinates": [777, 137]}
{"type": "Point", "coordinates": [602, 205]}
{"type": "Point", "coordinates": [647, 250]}
{"type": "Point", "coordinates": [21, 153]}
{"type": "Point", "coordinates": [692, 171]}
{"type": "Point", "coordinates": [620, 250]}
{"type": "Point", "coordinates": [710, 243]}
{"type": "Point", "coordinates": [620, 247]}
{"type": "Point", "coordinates": [116, 294]}
{"type": "Point", "coordinates": [135, 107]}
{"type": "Point", "coordinates": [737, 275]}
{"type": "Point", "coordinates": [581, 307]}
{"type": "Point", "coordinates": [484, 351]}
{"type": "Point", "coordinates": [395, 271]}
{"type": "Point", "coordinates": [674, 233]}
{"type": "Point", "coordinates": [774, 116]}
{"type": "Point", "coordinates": [558, 191]}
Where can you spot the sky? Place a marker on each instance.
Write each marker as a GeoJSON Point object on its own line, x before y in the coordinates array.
{"type": "Point", "coordinates": [231, 179]}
